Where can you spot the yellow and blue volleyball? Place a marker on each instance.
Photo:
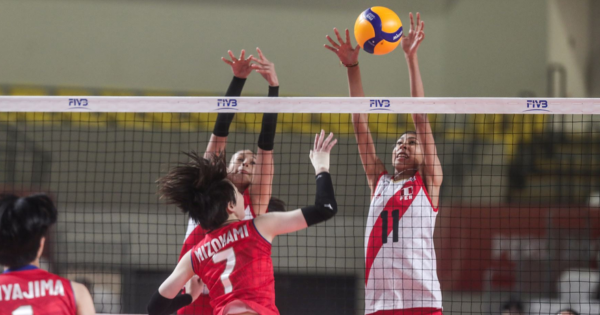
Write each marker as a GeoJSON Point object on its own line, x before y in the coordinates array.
{"type": "Point", "coordinates": [378, 30]}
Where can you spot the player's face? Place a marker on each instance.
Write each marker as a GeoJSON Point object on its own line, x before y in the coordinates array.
{"type": "Point", "coordinates": [407, 153]}
{"type": "Point", "coordinates": [241, 168]}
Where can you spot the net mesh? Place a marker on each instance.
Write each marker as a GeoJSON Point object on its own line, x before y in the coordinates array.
{"type": "Point", "coordinates": [518, 212]}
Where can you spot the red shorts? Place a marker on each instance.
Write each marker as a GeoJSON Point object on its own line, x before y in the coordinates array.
{"type": "Point", "coordinates": [411, 311]}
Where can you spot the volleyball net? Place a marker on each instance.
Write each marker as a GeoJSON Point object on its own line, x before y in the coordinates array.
{"type": "Point", "coordinates": [518, 219]}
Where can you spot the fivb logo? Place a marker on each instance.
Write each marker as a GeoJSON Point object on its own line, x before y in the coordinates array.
{"type": "Point", "coordinates": [379, 105]}
{"type": "Point", "coordinates": [406, 193]}
{"type": "Point", "coordinates": [78, 103]}
{"type": "Point", "coordinates": [537, 106]}
{"type": "Point", "coordinates": [227, 103]}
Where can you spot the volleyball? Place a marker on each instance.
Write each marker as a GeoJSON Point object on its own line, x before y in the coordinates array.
{"type": "Point", "coordinates": [378, 30]}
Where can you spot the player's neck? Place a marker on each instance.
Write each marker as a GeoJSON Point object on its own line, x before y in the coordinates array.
{"type": "Point", "coordinates": [36, 262]}
{"type": "Point", "coordinates": [231, 219]}
{"type": "Point", "coordinates": [404, 174]}
{"type": "Point", "coordinates": [241, 187]}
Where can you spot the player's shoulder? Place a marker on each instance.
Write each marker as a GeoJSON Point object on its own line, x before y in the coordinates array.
{"type": "Point", "coordinates": [384, 178]}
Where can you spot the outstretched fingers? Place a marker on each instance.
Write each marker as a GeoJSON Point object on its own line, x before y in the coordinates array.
{"type": "Point", "coordinates": [227, 61]}
{"type": "Point", "coordinates": [331, 48]}
{"type": "Point", "coordinates": [329, 143]}
{"type": "Point", "coordinates": [319, 141]}
{"type": "Point", "coordinates": [339, 37]}
{"type": "Point", "coordinates": [260, 54]}
{"type": "Point", "coordinates": [232, 56]}
{"type": "Point", "coordinates": [333, 43]}
{"type": "Point", "coordinates": [347, 37]}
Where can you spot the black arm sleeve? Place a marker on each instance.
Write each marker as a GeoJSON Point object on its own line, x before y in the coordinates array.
{"type": "Point", "coordinates": [273, 91]}
{"type": "Point", "coordinates": [325, 205]}
{"type": "Point", "coordinates": [223, 122]}
{"type": "Point", "coordinates": [266, 139]}
{"type": "Point", "coordinates": [235, 87]}
{"type": "Point", "coordinates": [160, 305]}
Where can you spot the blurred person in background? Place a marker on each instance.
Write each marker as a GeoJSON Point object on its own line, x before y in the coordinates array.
{"type": "Point", "coordinates": [26, 288]}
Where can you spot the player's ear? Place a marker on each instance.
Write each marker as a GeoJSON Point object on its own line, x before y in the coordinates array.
{"type": "Point", "coordinates": [230, 207]}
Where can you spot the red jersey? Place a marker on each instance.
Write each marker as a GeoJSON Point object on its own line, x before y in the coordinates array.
{"type": "Point", "coordinates": [30, 290]}
{"type": "Point", "coordinates": [234, 262]}
{"type": "Point", "coordinates": [194, 235]}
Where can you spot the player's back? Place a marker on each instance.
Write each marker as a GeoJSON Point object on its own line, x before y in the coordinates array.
{"type": "Point", "coordinates": [235, 264]}
{"type": "Point", "coordinates": [30, 290]}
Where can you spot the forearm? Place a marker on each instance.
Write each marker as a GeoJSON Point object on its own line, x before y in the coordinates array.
{"type": "Point", "coordinates": [355, 82]}
{"type": "Point", "coordinates": [325, 204]}
{"type": "Point", "coordinates": [235, 87]}
{"type": "Point", "coordinates": [416, 83]}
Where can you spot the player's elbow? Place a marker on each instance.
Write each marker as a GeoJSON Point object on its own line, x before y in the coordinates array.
{"type": "Point", "coordinates": [320, 212]}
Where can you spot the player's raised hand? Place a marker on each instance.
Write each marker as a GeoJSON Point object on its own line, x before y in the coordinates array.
{"type": "Point", "coordinates": [241, 67]}
{"type": "Point", "coordinates": [347, 54]}
{"type": "Point", "coordinates": [265, 67]}
{"type": "Point", "coordinates": [319, 155]}
{"type": "Point", "coordinates": [410, 43]}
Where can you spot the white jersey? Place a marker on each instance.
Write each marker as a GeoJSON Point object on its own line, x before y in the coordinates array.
{"type": "Point", "coordinates": [400, 256]}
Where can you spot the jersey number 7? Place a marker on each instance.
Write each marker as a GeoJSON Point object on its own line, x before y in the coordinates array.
{"type": "Point", "coordinates": [229, 256]}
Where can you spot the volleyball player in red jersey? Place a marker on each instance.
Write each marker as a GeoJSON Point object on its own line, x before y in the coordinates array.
{"type": "Point", "coordinates": [234, 259]}
{"type": "Point", "coordinates": [25, 289]}
{"type": "Point", "coordinates": [251, 174]}
{"type": "Point", "coordinates": [400, 261]}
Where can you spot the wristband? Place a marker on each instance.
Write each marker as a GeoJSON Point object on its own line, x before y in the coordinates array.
{"type": "Point", "coordinates": [351, 65]}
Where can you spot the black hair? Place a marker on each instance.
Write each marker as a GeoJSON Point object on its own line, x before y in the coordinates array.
{"type": "Point", "coordinates": [570, 310]}
{"type": "Point", "coordinates": [23, 223]}
{"type": "Point", "coordinates": [276, 205]}
{"type": "Point", "coordinates": [512, 305]}
{"type": "Point", "coordinates": [200, 188]}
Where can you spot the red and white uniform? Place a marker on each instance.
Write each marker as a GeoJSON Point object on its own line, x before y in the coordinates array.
{"type": "Point", "coordinates": [30, 290]}
{"type": "Point", "coordinates": [400, 257]}
{"type": "Point", "coordinates": [234, 262]}
{"type": "Point", "coordinates": [194, 235]}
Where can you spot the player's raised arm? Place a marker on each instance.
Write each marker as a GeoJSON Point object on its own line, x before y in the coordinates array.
{"type": "Point", "coordinates": [410, 45]}
{"type": "Point", "coordinates": [348, 56]}
{"type": "Point", "coordinates": [431, 170]}
{"type": "Point", "coordinates": [366, 149]}
{"type": "Point", "coordinates": [262, 178]}
{"type": "Point", "coordinates": [241, 69]}
{"type": "Point", "coordinates": [325, 207]}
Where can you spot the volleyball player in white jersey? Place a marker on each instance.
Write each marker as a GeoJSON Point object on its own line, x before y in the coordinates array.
{"type": "Point", "coordinates": [400, 261]}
